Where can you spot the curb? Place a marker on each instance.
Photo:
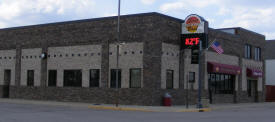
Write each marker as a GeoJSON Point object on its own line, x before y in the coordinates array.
{"type": "Point", "coordinates": [146, 110]}
{"type": "Point", "coordinates": [120, 108]}
{"type": "Point", "coordinates": [196, 110]}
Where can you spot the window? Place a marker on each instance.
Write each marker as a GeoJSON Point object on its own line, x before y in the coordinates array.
{"type": "Point", "coordinates": [169, 79]}
{"type": "Point", "coordinates": [7, 76]}
{"type": "Point", "coordinates": [135, 78]}
{"type": "Point", "coordinates": [247, 51]}
{"type": "Point", "coordinates": [257, 54]}
{"type": "Point", "coordinates": [194, 56]}
{"type": "Point", "coordinates": [52, 77]}
{"type": "Point", "coordinates": [73, 78]}
{"type": "Point", "coordinates": [94, 77]}
{"type": "Point", "coordinates": [221, 83]}
{"type": "Point", "coordinates": [192, 77]}
{"type": "Point", "coordinates": [30, 78]}
{"type": "Point", "coordinates": [114, 78]}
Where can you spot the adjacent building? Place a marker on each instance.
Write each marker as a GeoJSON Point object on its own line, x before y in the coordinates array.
{"type": "Point", "coordinates": [76, 61]}
{"type": "Point", "coordinates": [270, 70]}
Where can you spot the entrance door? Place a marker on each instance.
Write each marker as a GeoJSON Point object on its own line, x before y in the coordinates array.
{"type": "Point", "coordinates": [7, 80]}
{"type": "Point", "coordinates": [252, 89]}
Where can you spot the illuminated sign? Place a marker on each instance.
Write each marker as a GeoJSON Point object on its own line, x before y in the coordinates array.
{"type": "Point", "coordinates": [194, 30]}
{"type": "Point", "coordinates": [193, 24]}
{"type": "Point", "coordinates": [192, 41]}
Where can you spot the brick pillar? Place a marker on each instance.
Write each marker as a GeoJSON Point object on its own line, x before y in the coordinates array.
{"type": "Point", "coordinates": [104, 64]}
{"type": "Point", "coordinates": [44, 63]}
{"type": "Point", "coordinates": [18, 65]}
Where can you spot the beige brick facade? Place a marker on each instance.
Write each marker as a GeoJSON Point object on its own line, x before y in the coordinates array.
{"type": "Point", "coordinates": [7, 61]}
{"type": "Point", "coordinates": [30, 61]}
{"type": "Point", "coordinates": [170, 61]}
{"type": "Point", "coordinates": [130, 56]}
{"type": "Point", "coordinates": [83, 58]}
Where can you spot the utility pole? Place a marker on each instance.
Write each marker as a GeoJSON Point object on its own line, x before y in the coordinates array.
{"type": "Point", "coordinates": [187, 92]}
{"type": "Point", "coordinates": [199, 84]}
{"type": "Point", "coordinates": [117, 61]}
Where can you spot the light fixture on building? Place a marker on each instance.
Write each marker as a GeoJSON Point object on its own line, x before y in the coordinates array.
{"type": "Point", "coordinates": [43, 55]}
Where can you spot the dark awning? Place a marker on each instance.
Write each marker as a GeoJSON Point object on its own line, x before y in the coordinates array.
{"type": "Point", "coordinates": [254, 73]}
{"type": "Point", "coordinates": [223, 68]}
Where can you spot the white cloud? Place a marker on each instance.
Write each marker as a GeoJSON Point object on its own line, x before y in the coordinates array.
{"type": "Point", "coordinates": [250, 18]}
{"type": "Point", "coordinates": [172, 6]}
{"type": "Point", "coordinates": [12, 10]}
{"type": "Point", "coordinates": [228, 13]}
{"type": "Point", "coordinates": [188, 4]}
{"type": "Point", "coordinates": [9, 10]}
{"type": "Point", "coordinates": [148, 2]}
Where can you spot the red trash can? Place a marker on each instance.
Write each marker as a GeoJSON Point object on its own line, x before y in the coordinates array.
{"type": "Point", "coordinates": [167, 99]}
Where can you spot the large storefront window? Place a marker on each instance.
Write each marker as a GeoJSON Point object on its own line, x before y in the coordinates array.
{"type": "Point", "coordinates": [221, 83]}
{"type": "Point", "coordinates": [72, 78]}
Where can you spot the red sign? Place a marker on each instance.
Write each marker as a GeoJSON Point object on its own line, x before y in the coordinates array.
{"type": "Point", "coordinates": [192, 41]}
{"type": "Point", "coordinates": [192, 23]}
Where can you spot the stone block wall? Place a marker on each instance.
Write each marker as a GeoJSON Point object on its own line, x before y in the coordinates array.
{"type": "Point", "coordinates": [170, 61]}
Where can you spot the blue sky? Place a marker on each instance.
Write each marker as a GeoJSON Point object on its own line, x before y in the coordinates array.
{"type": "Point", "coordinates": [256, 15]}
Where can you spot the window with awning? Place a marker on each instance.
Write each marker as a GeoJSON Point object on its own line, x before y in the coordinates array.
{"type": "Point", "coordinates": [254, 73]}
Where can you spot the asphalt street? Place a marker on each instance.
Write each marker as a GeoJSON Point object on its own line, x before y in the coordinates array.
{"type": "Point", "coordinates": [13, 112]}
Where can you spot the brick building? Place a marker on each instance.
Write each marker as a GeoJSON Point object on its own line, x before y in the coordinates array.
{"type": "Point", "coordinates": [80, 62]}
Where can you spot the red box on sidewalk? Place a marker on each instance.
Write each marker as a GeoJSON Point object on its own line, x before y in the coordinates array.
{"type": "Point", "coordinates": [167, 101]}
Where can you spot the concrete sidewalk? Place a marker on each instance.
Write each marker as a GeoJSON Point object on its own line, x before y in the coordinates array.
{"type": "Point", "coordinates": [192, 108]}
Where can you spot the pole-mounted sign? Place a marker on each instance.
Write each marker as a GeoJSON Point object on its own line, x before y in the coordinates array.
{"type": "Point", "coordinates": [194, 28]}
{"type": "Point", "coordinates": [195, 36]}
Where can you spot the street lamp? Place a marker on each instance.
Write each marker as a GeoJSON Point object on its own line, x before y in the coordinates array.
{"type": "Point", "coordinates": [117, 62]}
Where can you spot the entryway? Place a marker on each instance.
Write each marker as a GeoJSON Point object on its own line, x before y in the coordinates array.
{"type": "Point", "coordinates": [252, 90]}
{"type": "Point", "coordinates": [7, 80]}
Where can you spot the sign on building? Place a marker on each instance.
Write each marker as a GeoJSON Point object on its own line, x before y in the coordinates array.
{"type": "Point", "coordinates": [194, 29]}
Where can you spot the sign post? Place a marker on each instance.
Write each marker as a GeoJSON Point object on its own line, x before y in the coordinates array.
{"type": "Point", "coordinates": [195, 36]}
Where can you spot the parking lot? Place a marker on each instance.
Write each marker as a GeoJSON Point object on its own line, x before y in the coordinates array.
{"type": "Point", "coordinates": [17, 112]}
